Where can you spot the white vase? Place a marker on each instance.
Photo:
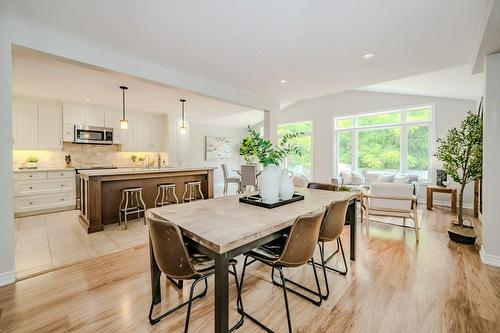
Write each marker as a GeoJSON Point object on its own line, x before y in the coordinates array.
{"type": "Point", "coordinates": [286, 184]}
{"type": "Point", "coordinates": [269, 183]}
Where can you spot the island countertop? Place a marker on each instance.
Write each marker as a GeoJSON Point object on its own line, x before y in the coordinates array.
{"type": "Point", "coordinates": [135, 171]}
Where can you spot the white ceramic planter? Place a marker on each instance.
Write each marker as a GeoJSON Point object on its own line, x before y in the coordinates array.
{"type": "Point", "coordinates": [269, 182]}
{"type": "Point", "coordinates": [286, 184]}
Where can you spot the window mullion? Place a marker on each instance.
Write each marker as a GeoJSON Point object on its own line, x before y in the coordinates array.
{"type": "Point", "coordinates": [404, 150]}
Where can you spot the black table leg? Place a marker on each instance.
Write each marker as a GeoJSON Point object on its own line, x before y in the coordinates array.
{"type": "Point", "coordinates": [155, 272]}
{"type": "Point", "coordinates": [221, 293]}
{"type": "Point", "coordinates": [352, 218]}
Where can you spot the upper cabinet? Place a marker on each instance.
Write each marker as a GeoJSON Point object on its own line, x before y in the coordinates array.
{"type": "Point", "coordinates": [78, 114]}
{"type": "Point", "coordinates": [49, 126]}
{"type": "Point", "coordinates": [36, 125]}
{"type": "Point", "coordinates": [112, 119]}
{"type": "Point", "coordinates": [25, 124]}
{"type": "Point", "coordinates": [145, 132]}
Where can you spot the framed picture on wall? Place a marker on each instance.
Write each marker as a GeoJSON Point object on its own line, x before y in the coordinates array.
{"type": "Point", "coordinates": [217, 148]}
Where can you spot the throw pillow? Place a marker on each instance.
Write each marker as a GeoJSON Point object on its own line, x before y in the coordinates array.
{"type": "Point", "coordinates": [372, 177]}
{"type": "Point", "coordinates": [402, 179]}
{"type": "Point", "coordinates": [357, 179]}
{"type": "Point", "coordinates": [386, 178]}
{"type": "Point", "coordinates": [346, 177]}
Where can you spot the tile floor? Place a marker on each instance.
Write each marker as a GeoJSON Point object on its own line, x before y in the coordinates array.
{"type": "Point", "coordinates": [53, 240]}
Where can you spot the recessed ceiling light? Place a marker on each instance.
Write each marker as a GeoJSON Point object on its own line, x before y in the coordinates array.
{"type": "Point", "coordinates": [87, 99]}
{"type": "Point", "coordinates": [368, 56]}
{"type": "Point", "coordinates": [282, 81]}
{"type": "Point", "coordinates": [144, 108]}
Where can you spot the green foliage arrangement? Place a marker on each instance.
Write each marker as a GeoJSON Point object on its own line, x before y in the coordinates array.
{"type": "Point", "coordinates": [343, 188]}
{"type": "Point", "coordinates": [267, 153]}
{"type": "Point", "coordinates": [462, 154]}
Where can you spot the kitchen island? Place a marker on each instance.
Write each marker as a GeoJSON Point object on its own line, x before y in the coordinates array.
{"type": "Point", "coordinates": [101, 189]}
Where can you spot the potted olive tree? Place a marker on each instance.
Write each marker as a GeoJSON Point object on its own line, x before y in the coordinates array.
{"type": "Point", "coordinates": [461, 152]}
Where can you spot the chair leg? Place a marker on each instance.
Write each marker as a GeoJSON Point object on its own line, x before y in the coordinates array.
{"type": "Point", "coordinates": [190, 301]}
{"type": "Point", "coordinates": [339, 245]}
{"type": "Point", "coordinates": [125, 212]}
{"type": "Point", "coordinates": [156, 320]}
{"type": "Point", "coordinates": [315, 293]}
{"type": "Point", "coordinates": [143, 207]}
{"type": "Point", "coordinates": [415, 220]}
{"type": "Point", "coordinates": [282, 275]}
{"type": "Point", "coordinates": [239, 301]}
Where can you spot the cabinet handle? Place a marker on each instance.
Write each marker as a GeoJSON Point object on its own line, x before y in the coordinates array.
{"type": "Point", "coordinates": [31, 176]}
{"type": "Point", "coordinates": [62, 174]}
{"type": "Point", "coordinates": [31, 187]}
{"type": "Point", "coordinates": [31, 203]}
{"type": "Point", "coordinates": [62, 185]}
{"type": "Point", "coordinates": [62, 199]}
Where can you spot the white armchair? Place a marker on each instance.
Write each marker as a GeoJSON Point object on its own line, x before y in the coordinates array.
{"type": "Point", "coordinates": [391, 200]}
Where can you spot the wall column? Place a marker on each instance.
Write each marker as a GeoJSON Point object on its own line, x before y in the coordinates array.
{"type": "Point", "coordinates": [7, 273]}
{"type": "Point", "coordinates": [271, 125]}
{"type": "Point", "coordinates": [490, 250]}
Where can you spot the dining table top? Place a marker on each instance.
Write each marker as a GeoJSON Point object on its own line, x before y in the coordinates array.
{"type": "Point", "coordinates": [223, 224]}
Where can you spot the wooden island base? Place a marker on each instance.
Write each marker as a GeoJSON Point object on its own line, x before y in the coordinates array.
{"type": "Point", "coordinates": [101, 190]}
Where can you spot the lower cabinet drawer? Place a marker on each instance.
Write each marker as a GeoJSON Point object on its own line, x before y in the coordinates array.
{"type": "Point", "coordinates": [39, 202]}
{"type": "Point", "coordinates": [22, 188]}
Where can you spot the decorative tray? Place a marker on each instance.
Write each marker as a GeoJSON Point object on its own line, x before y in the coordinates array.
{"type": "Point", "coordinates": [256, 200]}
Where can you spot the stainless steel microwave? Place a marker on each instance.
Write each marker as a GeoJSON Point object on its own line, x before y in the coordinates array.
{"type": "Point", "coordinates": [93, 135]}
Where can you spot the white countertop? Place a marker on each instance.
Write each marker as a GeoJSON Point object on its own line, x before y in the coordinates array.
{"type": "Point", "coordinates": [42, 170]}
{"type": "Point", "coordinates": [134, 171]}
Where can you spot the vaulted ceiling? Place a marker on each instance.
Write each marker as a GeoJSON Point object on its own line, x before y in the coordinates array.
{"type": "Point", "coordinates": [316, 46]}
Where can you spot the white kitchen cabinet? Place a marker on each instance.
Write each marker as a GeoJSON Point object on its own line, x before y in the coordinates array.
{"type": "Point", "coordinates": [49, 126]}
{"type": "Point", "coordinates": [157, 134]}
{"type": "Point", "coordinates": [129, 136]}
{"type": "Point", "coordinates": [145, 133]}
{"type": "Point", "coordinates": [112, 119]}
{"type": "Point", "coordinates": [73, 114]}
{"type": "Point", "coordinates": [94, 117]}
{"type": "Point", "coordinates": [25, 124]}
{"type": "Point", "coordinates": [39, 191]}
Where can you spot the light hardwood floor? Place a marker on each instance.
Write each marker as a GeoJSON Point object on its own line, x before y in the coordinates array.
{"type": "Point", "coordinates": [394, 286]}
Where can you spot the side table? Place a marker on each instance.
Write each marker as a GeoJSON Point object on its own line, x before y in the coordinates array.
{"type": "Point", "coordinates": [438, 189]}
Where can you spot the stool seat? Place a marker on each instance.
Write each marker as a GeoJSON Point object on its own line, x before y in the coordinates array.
{"type": "Point", "coordinates": [132, 189]}
{"type": "Point", "coordinates": [131, 203]}
{"type": "Point", "coordinates": [166, 185]}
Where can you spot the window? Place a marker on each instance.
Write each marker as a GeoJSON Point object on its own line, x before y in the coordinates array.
{"type": "Point", "coordinates": [394, 141]}
{"type": "Point", "coordinates": [299, 165]}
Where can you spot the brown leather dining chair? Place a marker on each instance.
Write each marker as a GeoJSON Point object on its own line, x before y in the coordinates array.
{"type": "Point", "coordinates": [294, 250]}
{"type": "Point", "coordinates": [180, 262]}
{"type": "Point", "coordinates": [331, 230]}
{"type": "Point", "coordinates": [322, 186]}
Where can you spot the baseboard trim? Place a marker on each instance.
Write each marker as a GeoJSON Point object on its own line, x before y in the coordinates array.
{"type": "Point", "coordinates": [444, 203]}
{"type": "Point", "coordinates": [7, 278]}
{"type": "Point", "coordinates": [489, 259]}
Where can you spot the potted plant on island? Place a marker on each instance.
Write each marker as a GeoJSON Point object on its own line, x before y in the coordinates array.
{"type": "Point", "coordinates": [270, 156]}
{"type": "Point", "coordinates": [461, 152]}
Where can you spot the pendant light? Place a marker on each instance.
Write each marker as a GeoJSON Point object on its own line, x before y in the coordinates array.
{"type": "Point", "coordinates": [124, 121]}
{"type": "Point", "coordinates": [183, 128]}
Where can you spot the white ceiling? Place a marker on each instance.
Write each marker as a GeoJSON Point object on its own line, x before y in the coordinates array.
{"type": "Point", "coordinates": [315, 45]}
{"type": "Point", "coordinates": [457, 82]}
{"type": "Point", "coordinates": [38, 75]}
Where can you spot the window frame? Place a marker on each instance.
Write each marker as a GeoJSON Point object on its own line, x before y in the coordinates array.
{"type": "Point", "coordinates": [404, 124]}
{"type": "Point", "coordinates": [311, 134]}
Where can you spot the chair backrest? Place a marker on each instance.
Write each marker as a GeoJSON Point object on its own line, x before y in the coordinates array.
{"type": "Point", "coordinates": [400, 196]}
{"type": "Point", "coordinates": [300, 181]}
{"type": "Point", "coordinates": [302, 240]}
{"type": "Point", "coordinates": [169, 249]}
{"type": "Point", "coordinates": [334, 220]}
{"type": "Point", "coordinates": [322, 186]}
{"type": "Point", "coordinates": [225, 172]}
{"type": "Point", "coordinates": [248, 175]}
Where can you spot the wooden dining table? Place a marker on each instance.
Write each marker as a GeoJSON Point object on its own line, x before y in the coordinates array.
{"type": "Point", "coordinates": [224, 228]}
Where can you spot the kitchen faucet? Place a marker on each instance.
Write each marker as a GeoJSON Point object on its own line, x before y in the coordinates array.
{"type": "Point", "coordinates": [147, 160]}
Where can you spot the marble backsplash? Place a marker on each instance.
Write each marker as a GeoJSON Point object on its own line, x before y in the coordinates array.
{"type": "Point", "coordinates": [88, 155]}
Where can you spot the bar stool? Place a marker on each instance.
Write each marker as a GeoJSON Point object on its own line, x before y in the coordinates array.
{"type": "Point", "coordinates": [134, 204]}
{"type": "Point", "coordinates": [167, 193]}
{"type": "Point", "coordinates": [191, 188]}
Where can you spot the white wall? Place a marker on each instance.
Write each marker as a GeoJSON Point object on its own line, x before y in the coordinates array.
{"type": "Point", "coordinates": [6, 178]}
{"type": "Point", "coordinates": [321, 111]}
{"type": "Point", "coordinates": [490, 251]}
{"type": "Point", "coordinates": [189, 149]}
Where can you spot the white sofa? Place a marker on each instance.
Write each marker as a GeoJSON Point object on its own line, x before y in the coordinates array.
{"type": "Point", "coordinates": [356, 181]}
